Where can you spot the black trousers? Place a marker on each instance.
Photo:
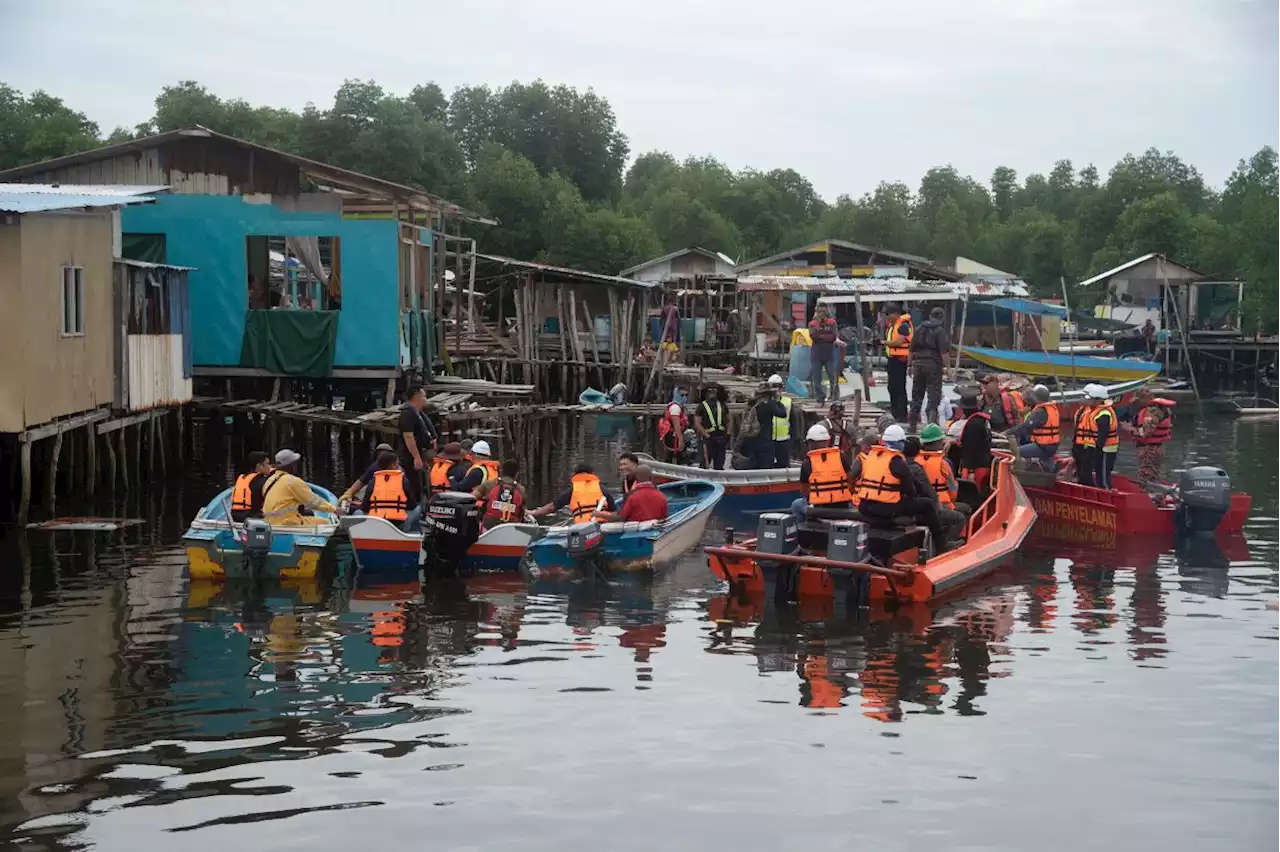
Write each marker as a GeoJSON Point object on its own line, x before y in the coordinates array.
{"type": "Point", "coordinates": [1106, 464]}
{"type": "Point", "coordinates": [921, 508]}
{"type": "Point", "coordinates": [713, 450]}
{"type": "Point", "coordinates": [782, 454]}
{"type": "Point", "coordinates": [1086, 463]}
{"type": "Point", "coordinates": [897, 369]}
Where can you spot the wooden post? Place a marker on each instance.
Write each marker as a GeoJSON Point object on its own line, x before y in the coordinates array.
{"type": "Point", "coordinates": [24, 502]}
{"type": "Point", "coordinates": [564, 344]}
{"type": "Point", "coordinates": [160, 440]}
{"type": "Point", "coordinates": [124, 457]}
{"type": "Point", "coordinates": [91, 464]}
{"type": "Point", "coordinates": [864, 356]}
{"type": "Point", "coordinates": [137, 454]}
{"type": "Point", "coordinates": [111, 459]}
{"type": "Point", "coordinates": [595, 345]}
{"type": "Point", "coordinates": [151, 443]}
{"type": "Point", "coordinates": [1182, 332]}
{"type": "Point", "coordinates": [181, 413]}
{"type": "Point", "coordinates": [53, 473]}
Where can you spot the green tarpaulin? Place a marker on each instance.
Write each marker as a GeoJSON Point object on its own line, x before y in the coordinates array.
{"type": "Point", "coordinates": [290, 343]}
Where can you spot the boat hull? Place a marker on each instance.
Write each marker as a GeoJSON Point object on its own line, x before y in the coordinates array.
{"type": "Point", "coordinates": [381, 546]}
{"type": "Point", "coordinates": [1079, 367]}
{"type": "Point", "coordinates": [996, 531]}
{"type": "Point", "coordinates": [744, 490]}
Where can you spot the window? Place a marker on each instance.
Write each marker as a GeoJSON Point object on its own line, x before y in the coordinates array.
{"type": "Point", "coordinates": [72, 301]}
{"type": "Point", "coordinates": [294, 272]}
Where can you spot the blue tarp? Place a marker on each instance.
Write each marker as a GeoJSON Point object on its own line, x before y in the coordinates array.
{"type": "Point", "coordinates": [1029, 306]}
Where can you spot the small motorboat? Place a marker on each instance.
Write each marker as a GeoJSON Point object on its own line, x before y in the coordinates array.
{"type": "Point", "coordinates": [218, 547]}
{"type": "Point", "coordinates": [632, 546]}
{"type": "Point", "coordinates": [382, 546]}
{"type": "Point", "coordinates": [1252, 407]}
{"type": "Point", "coordinates": [1076, 367]}
{"type": "Point", "coordinates": [838, 550]}
{"type": "Point", "coordinates": [743, 489]}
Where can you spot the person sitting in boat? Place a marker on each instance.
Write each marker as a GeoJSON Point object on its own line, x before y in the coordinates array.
{"type": "Point", "coordinates": [1003, 407]}
{"type": "Point", "coordinates": [1152, 430]}
{"type": "Point", "coordinates": [886, 490]}
{"type": "Point", "coordinates": [388, 494]}
{"type": "Point", "coordinates": [1041, 432]}
{"type": "Point", "coordinates": [933, 478]}
{"type": "Point", "coordinates": [246, 497]}
{"type": "Point", "coordinates": [975, 449]}
{"type": "Point", "coordinates": [285, 495]}
{"type": "Point", "coordinates": [583, 496]}
{"type": "Point", "coordinates": [503, 498]}
{"type": "Point", "coordinates": [711, 420]}
{"type": "Point", "coordinates": [362, 482]}
{"type": "Point", "coordinates": [482, 469]}
{"type": "Point", "coordinates": [952, 450]}
{"type": "Point", "coordinates": [837, 428]}
{"type": "Point", "coordinates": [824, 476]}
{"type": "Point", "coordinates": [644, 503]}
{"type": "Point", "coordinates": [448, 467]}
{"type": "Point", "coordinates": [627, 464]}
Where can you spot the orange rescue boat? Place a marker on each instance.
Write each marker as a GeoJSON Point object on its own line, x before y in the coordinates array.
{"type": "Point", "coordinates": [897, 569]}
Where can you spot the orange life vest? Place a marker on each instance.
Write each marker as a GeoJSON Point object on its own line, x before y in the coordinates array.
{"type": "Point", "coordinates": [1012, 406]}
{"type": "Point", "coordinates": [935, 466]}
{"type": "Point", "coordinates": [1113, 438]}
{"type": "Point", "coordinates": [877, 483]}
{"type": "Point", "coordinates": [242, 497]}
{"type": "Point", "coordinates": [1050, 433]}
{"type": "Point", "coordinates": [440, 467]}
{"type": "Point", "coordinates": [893, 331]}
{"type": "Point", "coordinates": [1158, 427]}
{"type": "Point", "coordinates": [667, 428]}
{"type": "Point", "coordinates": [585, 495]}
{"type": "Point", "coordinates": [387, 498]}
{"type": "Point", "coordinates": [1086, 431]}
{"type": "Point", "coordinates": [489, 467]}
{"type": "Point", "coordinates": [828, 480]}
{"type": "Point", "coordinates": [505, 503]}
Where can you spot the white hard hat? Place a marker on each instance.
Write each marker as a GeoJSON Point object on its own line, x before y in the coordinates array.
{"type": "Point", "coordinates": [1095, 391]}
{"type": "Point", "coordinates": [894, 433]}
{"type": "Point", "coordinates": [817, 432]}
{"type": "Point", "coordinates": [775, 379]}
{"type": "Point", "coordinates": [955, 430]}
{"type": "Point", "coordinates": [480, 448]}
{"type": "Point", "coordinates": [1039, 388]}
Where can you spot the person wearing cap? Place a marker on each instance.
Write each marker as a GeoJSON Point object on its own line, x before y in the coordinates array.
{"type": "Point", "coordinates": [711, 422]}
{"type": "Point", "coordinates": [932, 476]}
{"type": "Point", "coordinates": [823, 335]}
{"type": "Point", "coordinates": [1153, 429]}
{"type": "Point", "coordinates": [929, 347]}
{"type": "Point", "coordinates": [482, 469]}
{"type": "Point", "coordinates": [951, 447]}
{"type": "Point", "coordinates": [1105, 431]}
{"type": "Point", "coordinates": [975, 449]}
{"type": "Point", "coordinates": [287, 494]}
{"type": "Point", "coordinates": [836, 427]}
{"type": "Point", "coordinates": [1084, 439]}
{"type": "Point", "coordinates": [758, 447]}
{"type": "Point", "coordinates": [897, 348]}
{"type": "Point", "coordinates": [448, 467]}
{"type": "Point", "coordinates": [780, 428]}
{"type": "Point", "coordinates": [824, 475]}
{"type": "Point", "coordinates": [886, 488]}
{"type": "Point", "coordinates": [1002, 406]}
{"type": "Point", "coordinates": [1041, 432]}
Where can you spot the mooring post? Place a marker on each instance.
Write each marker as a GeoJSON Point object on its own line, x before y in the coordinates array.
{"type": "Point", "coordinates": [24, 502]}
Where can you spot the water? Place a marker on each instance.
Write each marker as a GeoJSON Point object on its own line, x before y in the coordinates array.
{"type": "Point", "coordinates": [1068, 702]}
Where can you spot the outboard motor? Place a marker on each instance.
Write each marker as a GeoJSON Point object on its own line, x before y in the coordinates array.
{"type": "Point", "coordinates": [584, 545]}
{"type": "Point", "coordinates": [449, 527]}
{"type": "Point", "coordinates": [775, 533]}
{"type": "Point", "coordinates": [1204, 497]}
{"type": "Point", "coordinates": [257, 545]}
{"type": "Point", "coordinates": [847, 542]}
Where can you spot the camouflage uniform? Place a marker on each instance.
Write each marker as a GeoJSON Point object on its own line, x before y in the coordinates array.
{"type": "Point", "coordinates": [1150, 460]}
{"type": "Point", "coordinates": [927, 376]}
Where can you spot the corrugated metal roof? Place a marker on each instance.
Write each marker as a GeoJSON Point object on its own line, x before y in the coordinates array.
{"type": "Point", "coordinates": [567, 272]}
{"type": "Point", "coordinates": [143, 264]}
{"type": "Point", "coordinates": [673, 255]}
{"type": "Point", "coordinates": [1102, 276]}
{"type": "Point", "coordinates": [821, 245]}
{"type": "Point", "coordinates": [46, 198]}
{"type": "Point", "coordinates": [798, 284]}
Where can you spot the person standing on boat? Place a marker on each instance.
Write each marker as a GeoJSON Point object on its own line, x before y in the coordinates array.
{"type": "Point", "coordinates": [711, 422]}
{"type": "Point", "coordinates": [284, 494]}
{"type": "Point", "coordinates": [824, 475]}
{"type": "Point", "coordinates": [1153, 430]}
{"type": "Point", "coordinates": [246, 497]}
{"type": "Point", "coordinates": [644, 503]}
{"type": "Point", "coordinates": [781, 426]}
{"type": "Point", "coordinates": [886, 489]}
{"type": "Point", "coordinates": [897, 348]}
{"type": "Point", "coordinates": [823, 334]}
{"type": "Point", "coordinates": [757, 431]}
{"type": "Point", "coordinates": [1003, 407]}
{"type": "Point", "coordinates": [503, 498]}
{"type": "Point", "coordinates": [1105, 428]}
{"type": "Point", "coordinates": [929, 347]}
{"type": "Point", "coordinates": [583, 496]}
{"type": "Point", "coordinates": [1039, 435]}
{"type": "Point", "coordinates": [417, 437]}
{"type": "Point", "coordinates": [836, 427]}
{"type": "Point", "coordinates": [671, 428]}
{"type": "Point", "coordinates": [1084, 440]}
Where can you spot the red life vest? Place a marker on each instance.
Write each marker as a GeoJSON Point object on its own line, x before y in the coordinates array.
{"type": "Point", "coordinates": [505, 503]}
{"type": "Point", "coordinates": [666, 428]}
{"type": "Point", "coordinates": [1158, 427]}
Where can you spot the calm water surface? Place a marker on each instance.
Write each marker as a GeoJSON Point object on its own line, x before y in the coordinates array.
{"type": "Point", "coordinates": [1076, 700]}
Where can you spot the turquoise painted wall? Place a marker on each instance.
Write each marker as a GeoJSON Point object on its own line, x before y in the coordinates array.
{"type": "Point", "coordinates": [208, 232]}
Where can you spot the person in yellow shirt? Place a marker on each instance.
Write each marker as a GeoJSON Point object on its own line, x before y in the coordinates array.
{"type": "Point", "coordinates": [286, 493]}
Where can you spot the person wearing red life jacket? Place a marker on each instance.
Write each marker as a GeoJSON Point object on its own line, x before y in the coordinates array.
{"type": "Point", "coordinates": [503, 499]}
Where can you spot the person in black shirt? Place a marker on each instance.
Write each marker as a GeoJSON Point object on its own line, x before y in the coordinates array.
{"type": "Point", "coordinates": [365, 479]}
{"type": "Point", "coordinates": [765, 409]}
{"type": "Point", "coordinates": [417, 437]}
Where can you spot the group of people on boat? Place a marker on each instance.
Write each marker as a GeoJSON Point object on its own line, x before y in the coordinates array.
{"type": "Point", "coordinates": [706, 439]}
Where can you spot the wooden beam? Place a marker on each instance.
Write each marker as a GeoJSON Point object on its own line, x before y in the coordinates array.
{"type": "Point", "coordinates": [48, 430]}
{"type": "Point", "coordinates": [121, 422]}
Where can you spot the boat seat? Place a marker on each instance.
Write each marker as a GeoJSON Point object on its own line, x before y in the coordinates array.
{"type": "Point", "coordinates": [843, 514]}
{"type": "Point", "coordinates": [883, 540]}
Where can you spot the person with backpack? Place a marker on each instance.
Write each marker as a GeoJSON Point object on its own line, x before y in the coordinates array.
{"type": "Point", "coordinates": [756, 435]}
{"type": "Point", "coordinates": [929, 347]}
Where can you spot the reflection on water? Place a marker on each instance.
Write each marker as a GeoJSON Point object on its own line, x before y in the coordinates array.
{"type": "Point", "coordinates": [495, 714]}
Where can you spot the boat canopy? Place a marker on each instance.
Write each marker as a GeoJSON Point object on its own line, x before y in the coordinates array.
{"type": "Point", "coordinates": [1029, 306]}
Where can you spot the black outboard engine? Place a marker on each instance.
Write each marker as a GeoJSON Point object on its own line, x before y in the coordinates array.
{"type": "Point", "coordinates": [584, 545]}
{"type": "Point", "coordinates": [449, 527]}
{"type": "Point", "coordinates": [1204, 497]}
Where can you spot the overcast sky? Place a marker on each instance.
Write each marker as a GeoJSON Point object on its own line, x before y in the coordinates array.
{"type": "Point", "coordinates": [846, 93]}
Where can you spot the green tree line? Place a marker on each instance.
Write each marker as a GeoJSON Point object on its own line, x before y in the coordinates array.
{"type": "Point", "coordinates": [550, 163]}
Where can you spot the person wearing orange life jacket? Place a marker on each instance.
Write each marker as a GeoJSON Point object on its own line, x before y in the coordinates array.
{"type": "Point", "coordinates": [1105, 427]}
{"type": "Point", "coordinates": [824, 476]}
{"type": "Point", "coordinates": [388, 492]}
{"type": "Point", "coordinates": [361, 485]}
{"type": "Point", "coordinates": [1152, 431]}
{"type": "Point", "coordinates": [448, 467]}
{"type": "Point", "coordinates": [886, 489]}
{"type": "Point", "coordinates": [1041, 432]}
{"type": "Point", "coordinates": [627, 464]}
{"type": "Point", "coordinates": [671, 427]}
{"type": "Point", "coordinates": [582, 497]}
{"type": "Point", "coordinates": [503, 498]}
{"type": "Point", "coordinates": [482, 469]}
{"type": "Point", "coordinates": [931, 478]}
{"type": "Point", "coordinates": [897, 348]}
{"type": "Point", "coordinates": [1005, 408]}
{"type": "Point", "coordinates": [1084, 441]}
{"type": "Point", "coordinates": [246, 497]}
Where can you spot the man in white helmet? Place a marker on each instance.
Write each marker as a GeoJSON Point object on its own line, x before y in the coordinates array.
{"type": "Point", "coordinates": [886, 489]}
{"type": "Point", "coordinates": [781, 431]}
{"type": "Point", "coordinates": [483, 469]}
{"type": "Point", "coordinates": [824, 476]}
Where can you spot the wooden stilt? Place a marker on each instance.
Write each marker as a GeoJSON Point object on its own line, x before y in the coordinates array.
{"type": "Point", "coordinates": [24, 501]}
{"type": "Point", "coordinates": [181, 413]}
{"type": "Point", "coordinates": [124, 457]}
{"type": "Point", "coordinates": [151, 444]}
{"type": "Point", "coordinates": [91, 460]}
{"type": "Point", "coordinates": [160, 440]}
{"type": "Point", "coordinates": [137, 455]}
{"type": "Point", "coordinates": [109, 440]}
{"type": "Point", "coordinates": [52, 484]}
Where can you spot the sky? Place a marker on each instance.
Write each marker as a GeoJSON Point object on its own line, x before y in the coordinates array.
{"type": "Point", "coordinates": [846, 93]}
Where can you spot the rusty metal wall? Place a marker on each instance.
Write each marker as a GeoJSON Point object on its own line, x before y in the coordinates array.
{"type": "Point", "coordinates": [155, 371]}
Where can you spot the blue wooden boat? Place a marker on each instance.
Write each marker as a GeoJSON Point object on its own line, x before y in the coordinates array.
{"type": "Point", "coordinates": [1064, 366]}
{"type": "Point", "coordinates": [215, 544]}
{"type": "Point", "coordinates": [637, 546]}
